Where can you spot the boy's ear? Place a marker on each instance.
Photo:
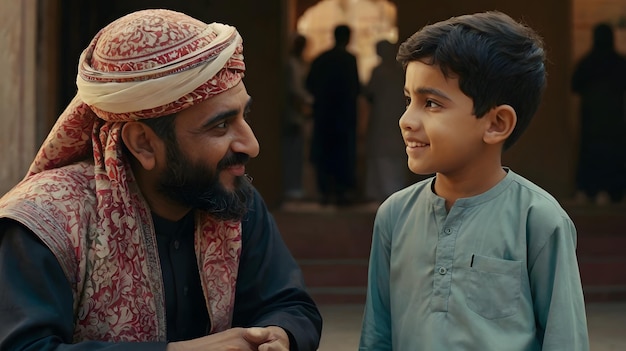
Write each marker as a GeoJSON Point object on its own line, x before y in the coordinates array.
{"type": "Point", "coordinates": [502, 120]}
{"type": "Point", "coordinates": [141, 141]}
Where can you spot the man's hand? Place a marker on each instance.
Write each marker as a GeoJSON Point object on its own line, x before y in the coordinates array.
{"type": "Point", "coordinates": [237, 339]}
{"type": "Point", "coordinates": [268, 339]}
{"type": "Point", "coordinates": [231, 339]}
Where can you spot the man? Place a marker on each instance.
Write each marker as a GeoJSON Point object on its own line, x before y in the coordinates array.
{"type": "Point", "coordinates": [333, 81]}
{"type": "Point", "coordinates": [600, 80]}
{"type": "Point", "coordinates": [132, 232]}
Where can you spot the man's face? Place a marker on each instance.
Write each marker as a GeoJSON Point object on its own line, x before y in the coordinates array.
{"type": "Point", "coordinates": [206, 166]}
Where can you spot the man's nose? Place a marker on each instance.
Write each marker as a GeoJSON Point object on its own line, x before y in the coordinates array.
{"type": "Point", "coordinates": [245, 141]}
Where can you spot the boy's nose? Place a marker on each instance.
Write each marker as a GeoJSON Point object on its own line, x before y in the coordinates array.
{"type": "Point", "coordinates": [409, 120]}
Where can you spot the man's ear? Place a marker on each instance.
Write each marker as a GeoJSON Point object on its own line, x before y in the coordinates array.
{"type": "Point", "coordinates": [502, 120]}
{"type": "Point", "coordinates": [141, 141]}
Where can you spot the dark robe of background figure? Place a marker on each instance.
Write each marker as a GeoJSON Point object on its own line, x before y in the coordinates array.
{"type": "Point", "coordinates": [297, 112]}
{"type": "Point", "coordinates": [334, 83]}
{"type": "Point", "coordinates": [386, 170]}
{"type": "Point", "coordinates": [600, 80]}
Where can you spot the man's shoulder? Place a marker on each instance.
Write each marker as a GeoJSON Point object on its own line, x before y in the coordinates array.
{"type": "Point", "coordinates": [79, 175]}
{"type": "Point", "coordinates": [53, 200]}
{"type": "Point", "coordinates": [332, 55]}
{"type": "Point", "coordinates": [75, 181]}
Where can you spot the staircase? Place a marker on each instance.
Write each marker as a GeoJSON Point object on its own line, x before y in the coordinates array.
{"type": "Point", "coordinates": [332, 247]}
{"type": "Point", "coordinates": [601, 251]}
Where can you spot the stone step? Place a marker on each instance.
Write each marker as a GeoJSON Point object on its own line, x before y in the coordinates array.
{"type": "Point", "coordinates": [332, 247]}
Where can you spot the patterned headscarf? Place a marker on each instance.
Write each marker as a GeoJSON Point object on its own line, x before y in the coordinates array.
{"type": "Point", "coordinates": [147, 64]}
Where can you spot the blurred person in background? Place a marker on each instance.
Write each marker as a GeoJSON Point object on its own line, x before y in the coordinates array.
{"type": "Point", "coordinates": [385, 152]}
{"type": "Point", "coordinates": [600, 80]}
{"type": "Point", "coordinates": [297, 112]}
{"type": "Point", "coordinates": [334, 83]}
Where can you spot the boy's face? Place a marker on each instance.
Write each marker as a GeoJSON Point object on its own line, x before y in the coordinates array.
{"type": "Point", "coordinates": [438, 127]}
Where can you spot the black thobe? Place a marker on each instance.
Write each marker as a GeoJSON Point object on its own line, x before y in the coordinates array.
{"type": "Point", "coordinates": [36, 302]}
{"type": "Point", "coordinates": [333, 81]}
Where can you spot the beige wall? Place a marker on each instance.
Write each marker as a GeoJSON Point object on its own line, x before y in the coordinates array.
{"type": "Point", "coordinates": [587, 13]}
{"type": "Point", "coordinates": [17, 90]}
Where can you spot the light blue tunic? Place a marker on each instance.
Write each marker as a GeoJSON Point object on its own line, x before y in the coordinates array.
{"type": "Point", "coordinates": [498, 272]}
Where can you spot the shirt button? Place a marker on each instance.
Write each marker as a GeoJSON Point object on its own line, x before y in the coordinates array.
{"type": "Point", "coordinates": [448, 230]}
{"type": "Point", "coordinates": [176, 244]}
{"type": "Point", "coordinates": [442, 270]}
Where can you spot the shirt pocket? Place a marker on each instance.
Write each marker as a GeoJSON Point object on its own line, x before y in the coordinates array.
{"type": "Point", "coordinates": [493, 286]}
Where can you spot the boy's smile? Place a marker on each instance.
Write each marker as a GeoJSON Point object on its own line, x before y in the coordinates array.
{"type": "Point", "coordinates": [439, 129]}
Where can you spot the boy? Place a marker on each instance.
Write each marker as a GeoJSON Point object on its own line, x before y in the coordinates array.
{"type": "Point", "coordinates": [476, 257]}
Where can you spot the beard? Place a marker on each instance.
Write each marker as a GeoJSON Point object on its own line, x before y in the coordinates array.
{"type": "Point", "coordinates": [198, 186]}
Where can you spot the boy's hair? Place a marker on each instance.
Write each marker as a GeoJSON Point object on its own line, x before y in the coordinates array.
{"type": "Point", "coordinates": [496, 59]}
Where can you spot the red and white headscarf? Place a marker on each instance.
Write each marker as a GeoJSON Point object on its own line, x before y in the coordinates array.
{"type": "Point", "coordinates": [147, 64]}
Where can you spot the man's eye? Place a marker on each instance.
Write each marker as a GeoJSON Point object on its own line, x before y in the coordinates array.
{"type": "Point", "coordinates": [222, 125]}
{"type": "Point", "coordinates": [407, 101]}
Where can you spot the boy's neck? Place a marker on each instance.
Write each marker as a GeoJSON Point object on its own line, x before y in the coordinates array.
{"type": "Point", "coordinates": [475, 182]}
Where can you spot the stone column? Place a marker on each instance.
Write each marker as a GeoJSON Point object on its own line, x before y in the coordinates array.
{"type": "Point", "coordinates": [18, 29]}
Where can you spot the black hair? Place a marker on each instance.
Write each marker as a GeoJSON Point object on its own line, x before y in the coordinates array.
{"type": "Point", "coordinates": [342, 35]}
{"type": "Point", "coordinates": [496, 59]}
{"type": "Point", "coordinates": [385, 49]}
{"type": "Point", "coordinates": [603, 37]}
{"type": "Point", "coordinates": [298, 45]}
{"type": "Point", "coordinates": [163, 127]}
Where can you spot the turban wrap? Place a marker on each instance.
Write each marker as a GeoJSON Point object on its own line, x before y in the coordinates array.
{"type": "Point", "coordinates": [147, 64]}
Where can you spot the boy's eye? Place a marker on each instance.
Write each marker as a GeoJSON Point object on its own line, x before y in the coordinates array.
{"type": "Point", "coordinates": [431, 103]}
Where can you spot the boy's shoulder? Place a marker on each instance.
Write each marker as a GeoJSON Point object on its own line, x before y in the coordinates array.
{"type": "Point", "coordinates": [408, 196]}
{"type": "Point", "coordinates": [537, 207]}
{"type": "Point", "coordinates": [534, 192]}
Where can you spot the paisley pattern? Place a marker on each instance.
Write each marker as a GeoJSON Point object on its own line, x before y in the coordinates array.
{"type": "Point", "coordinates": [81, 199]}
{"type": "Point", "coordinates": [107, 249]}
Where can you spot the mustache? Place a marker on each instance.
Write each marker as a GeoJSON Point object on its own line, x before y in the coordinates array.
{"type": "Point", "coordinates": [236, 158]}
